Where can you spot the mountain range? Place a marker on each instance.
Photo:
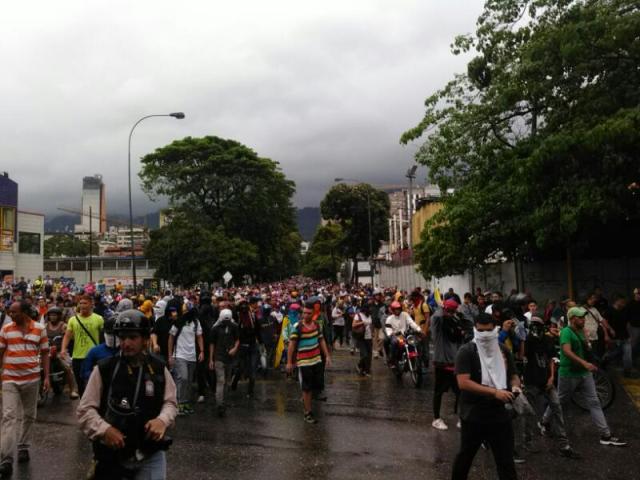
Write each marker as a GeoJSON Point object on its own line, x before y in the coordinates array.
{"type": "Point", "coordinates": [308, 219]}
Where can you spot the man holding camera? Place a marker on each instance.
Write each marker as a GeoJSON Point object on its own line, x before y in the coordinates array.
{"type": "Point", "coordinates": [128, 404]}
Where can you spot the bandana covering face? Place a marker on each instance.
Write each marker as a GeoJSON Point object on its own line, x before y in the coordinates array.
{"type": "Point", "coordinates": [494, 373]}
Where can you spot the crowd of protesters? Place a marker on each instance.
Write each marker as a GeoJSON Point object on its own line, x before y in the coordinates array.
{"type": "Point", "coordinates": [485, 348]}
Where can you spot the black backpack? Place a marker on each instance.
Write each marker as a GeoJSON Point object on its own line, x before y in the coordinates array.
{"type": "Point", "coordinates": [454, 329]}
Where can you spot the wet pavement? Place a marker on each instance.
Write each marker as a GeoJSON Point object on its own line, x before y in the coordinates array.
{"type": "Point", "coordinates": [369, 428]}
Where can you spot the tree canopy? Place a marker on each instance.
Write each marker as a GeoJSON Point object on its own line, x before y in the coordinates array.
{"type": "Point", "coordinates": [67, 246]}
{"type": "Point", "coordinates": [324, 258]}
{"type": "Point", "coordinates": [232, 203]}
{"type": "Point", "coordinates": [538, 142]}
{"type": "Point", "coordinates": [348, 205]}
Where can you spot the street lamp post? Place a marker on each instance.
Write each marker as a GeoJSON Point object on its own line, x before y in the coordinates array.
{"type": "Point", "coordinates": [179, 116]}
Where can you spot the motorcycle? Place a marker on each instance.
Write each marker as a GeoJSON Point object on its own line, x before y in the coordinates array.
{"type": "Point", "coordinates": [57, 372]}
{"type": "Point", "coordinates": [409, 358]}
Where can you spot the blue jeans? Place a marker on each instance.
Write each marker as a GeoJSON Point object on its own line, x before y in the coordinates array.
{"type": "Point", "coordinates": [153, 468]}
{"type": "Point", "coordinates": [183, 373]}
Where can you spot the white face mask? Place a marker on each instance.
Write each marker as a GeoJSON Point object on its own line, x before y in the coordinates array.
{"type": "Point", "coordinates": [111, 340]}
{"type": "Point", "coordinates": [485, 337]}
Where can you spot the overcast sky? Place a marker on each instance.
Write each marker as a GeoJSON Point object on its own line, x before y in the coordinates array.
{"type": "Point", "coordinates": [324, 87]}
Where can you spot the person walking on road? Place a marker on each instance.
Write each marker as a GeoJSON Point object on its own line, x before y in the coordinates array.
{"type": "Point", "coordinates": [575, 375]}
{"type": "Point", "coordinates": [307, 344]}
{"type": "Point", "coordinates": [129, 403]}
{"type": "Point", "coordinates": [184, 338]}
{"type": "Point", "coordinates": [224, 345]}
{"type": "Point", "coordinates": [84, 329]}
{"type": "Point", "coordinates": [447, 338]}
{"type": "Point", "coordinates": [24, 346]}
{"type": "Point", "coordinates": [488, 380]}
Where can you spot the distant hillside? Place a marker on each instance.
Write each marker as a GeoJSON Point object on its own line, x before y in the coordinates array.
{"type": "Point", "coordinates": [308, 221]}
{"type": "Point", "coordinates": [60, 223]}
{"type": "Point", "coordinates": [65, 223]}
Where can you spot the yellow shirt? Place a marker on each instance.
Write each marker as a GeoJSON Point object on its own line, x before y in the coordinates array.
{"type": "Point", "coordinates": [82, 342]}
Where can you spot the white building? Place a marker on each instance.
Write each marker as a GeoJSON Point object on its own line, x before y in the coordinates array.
{"type": "Point", "coordinates": [21, 236]}
{"type": "Point", "coordinates": [94, 206]}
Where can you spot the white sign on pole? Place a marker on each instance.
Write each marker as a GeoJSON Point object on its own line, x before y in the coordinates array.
{"type": "Point", "coordinates": [227, 277]}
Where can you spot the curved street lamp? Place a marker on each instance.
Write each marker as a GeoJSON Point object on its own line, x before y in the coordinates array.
{"type": "Point", "coordinates": [178, 116]}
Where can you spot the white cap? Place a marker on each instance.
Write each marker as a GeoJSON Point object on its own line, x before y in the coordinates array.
{"type": "Point", "coordinates": [226, 314]}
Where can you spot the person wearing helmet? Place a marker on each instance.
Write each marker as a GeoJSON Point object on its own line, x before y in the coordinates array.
{"type": "Point", "coordinates": [55, 332]}
{"type": "Point", "coordinates": [128, 404]}
{"type": "Point", "coordinates": [105, 350]}
{"type": "Point", "coordinates": [397, 324]}
{"type": "Point", "coordinates": [225, 342]}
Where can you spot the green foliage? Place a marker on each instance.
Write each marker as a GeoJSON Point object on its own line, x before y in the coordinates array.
{"type": "Point", "coordinates": [187, 255]}
{"type": "Point", "coordinates": [540, 138]}
{"type": "Point", "coordinates": [223, 188]}
{"type": "Point", "coordinates": [67, 246]}
{"type": "Point", "coordinates": [348, 205]}
{"type": "Point", "coordinates": [323, 259]}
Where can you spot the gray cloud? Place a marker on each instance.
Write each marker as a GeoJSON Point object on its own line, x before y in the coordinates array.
{"type": "Point", "coordinates": [325, 88]}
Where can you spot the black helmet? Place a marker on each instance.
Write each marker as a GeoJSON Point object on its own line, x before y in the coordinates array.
{"type": "Point", "coordinates": [109, 324]}
{"type": "Point", "coordinates": [56, 310]}
{"type": "Point", "coordinates": [132, 321]}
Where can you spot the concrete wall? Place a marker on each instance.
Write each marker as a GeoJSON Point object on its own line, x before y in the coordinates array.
{"type": "Point", "coordinates": [109, 270]}
{"type": "Point", "coordinates": [545, 280]}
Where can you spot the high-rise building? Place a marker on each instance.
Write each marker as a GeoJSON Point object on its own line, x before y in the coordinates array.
{"type": "Point", "coordinates": [94, 206]}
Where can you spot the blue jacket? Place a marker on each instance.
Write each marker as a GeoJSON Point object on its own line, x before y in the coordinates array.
{"type": "Point", "coordinates": [96, 354]}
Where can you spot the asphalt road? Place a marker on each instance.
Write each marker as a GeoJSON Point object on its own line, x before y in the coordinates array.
{"type": "Point", "coordinates": [369, 428]}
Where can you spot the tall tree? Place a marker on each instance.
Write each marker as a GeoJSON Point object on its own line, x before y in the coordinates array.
{"type": "Point", "coordinates": [222, 186]}
{"type": "Point", "coordinates": [187, 255]}
{"type": "Point", "coordinates": [324, 257]}
{"type": "Point", "coordinates": [539, 139]}
{"type": "Point", "coordinates": [67, 246]}
{"type": "Point", "coordinates": [353, 206]}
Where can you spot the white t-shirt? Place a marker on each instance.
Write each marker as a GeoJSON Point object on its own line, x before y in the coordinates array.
{"type": "Point", "coordinates": [186, 344]}
{"type": "Point", "coordinates": [338, 317]}
{"type": "Point", "coordinates": [367, 324]}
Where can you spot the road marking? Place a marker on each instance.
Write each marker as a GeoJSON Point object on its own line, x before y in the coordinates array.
{"type": "Point", "coordinates": [632, 387]}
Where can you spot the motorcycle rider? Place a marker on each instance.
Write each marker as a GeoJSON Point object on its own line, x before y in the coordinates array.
{"type": "Point", "coordinates": [128, 404]}
{"type": "Point", "coordinates": [55, 332]}
{"type": "Point", "coordinates": [397, 324]}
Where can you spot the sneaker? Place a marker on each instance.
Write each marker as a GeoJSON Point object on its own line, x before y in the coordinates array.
{"type": "Point", "coordinates": [188, 409]}
{"type": "Point", "coordinates": [181, 411]}
{"type": "Point", "coordinates": [459, 425]}
{"type": "Point", "coordinates": [74, 395]}
{"type": "Point", "coordinates": [517, 459]}
{"type": "Point", "coordinates": [439, 424]}
{"type": "Point", "coordinates": [613, 441]}
{"type": "Point", "coordinates": [569, 452]}
{"type": "Point", "coordinates": [309, 418]}
{"type": "Point", "coordinates": [201, 399]}
{"type": "Point", "coordinates": [23, 455]}
{"type": "Point", "coordinates": [6, 469]}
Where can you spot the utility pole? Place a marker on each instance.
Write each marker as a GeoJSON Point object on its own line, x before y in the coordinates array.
{"type": "Point", "coordinates": [411, 174]}
{"type": "Point", "coordinates": [90, 247]}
